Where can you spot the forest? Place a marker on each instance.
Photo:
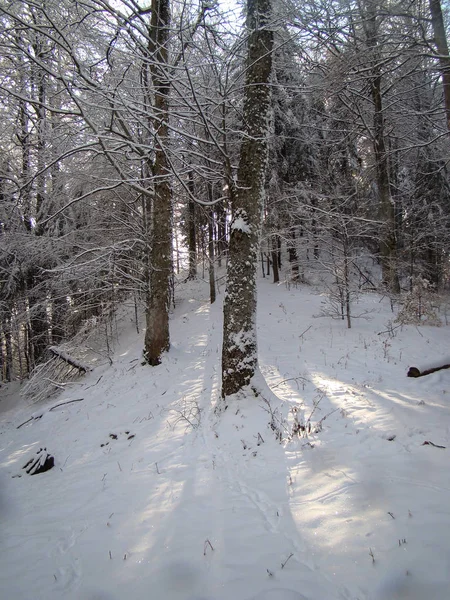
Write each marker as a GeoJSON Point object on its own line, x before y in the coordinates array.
{"type": "Point", "coordinates": [147, 142]}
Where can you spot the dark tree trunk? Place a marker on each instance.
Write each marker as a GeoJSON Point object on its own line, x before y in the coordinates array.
{"type": "Point", "coordinates": [275, 260]}
{"type": "Point", "coordinates": [192, 230]}
{"type": "Point", "coordinates": [440, 39]}
{"type": "Point", "coordinates": [293, 258]}
{"type": "Point", "coordinates": [388, 243]}
{"type": "Point", "coordinates": [212, 276]}
{"type": "Point", "coordinates": [157, 338]}
{"type": "Point", "coordinates": [221, 232]}
{"type": "Point", "coordinates": [7, 357]}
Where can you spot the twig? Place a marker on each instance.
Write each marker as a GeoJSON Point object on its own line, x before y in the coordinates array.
{"type": "Point", "coordinates": [290, 379]}
{"type": "Point", "coordinates": [66, 402]}
{"type": "Point", "coordinates": [94, 383]}
{"type": "Point", "coordinates": [306, 330]}
{"type": "Point", "coordinates": [283, 564]}
{"type": "Point", "coordinates": [319, 423]}
{"type": "Point", "coordinates": [30, 419]}
{"type": "Point", "coordinates": [157, 470]}
{"type": "Point", "coordinates": [390, 330]}
{"type": "Point", "coordinates": [205, 546]}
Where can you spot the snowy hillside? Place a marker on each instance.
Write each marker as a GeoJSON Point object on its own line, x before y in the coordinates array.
{"type": "Point", "coordinates": [159, 494]}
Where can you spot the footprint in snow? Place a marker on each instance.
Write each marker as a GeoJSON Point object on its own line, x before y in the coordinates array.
{"type": "Point", "coordinates": [68, 576]}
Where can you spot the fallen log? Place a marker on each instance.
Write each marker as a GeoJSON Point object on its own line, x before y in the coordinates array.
{"type": "Point", "coordinates": [73, 362]}
{"type": "Point", "coordinates": [415, 372]}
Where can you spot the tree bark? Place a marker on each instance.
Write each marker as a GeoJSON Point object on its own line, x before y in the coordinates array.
{"type": "Point", "coordinates": [275, 261]}
{"type": "Point", "coordinates": [192, 229]}
{"type": "Point", "coordinates": [440, 39]}
{"type": "Point", "coordinates": [239, 349]}
{"type": "Point", "coordinates": [157, 338]}
{"type": "Point", "coordinates": [388, 242]}
{"type": "Point", "coordinates": [211, 253]}
{"type": "Point", "coordinates": [221, 217]}
{"type": "Point", "coordinates": [292, 254]}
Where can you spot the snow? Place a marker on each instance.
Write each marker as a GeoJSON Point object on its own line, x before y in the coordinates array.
{"type": "Point", "coordinates": [204, 503]}
{"type": "Point", "coordinates": [240, 223]}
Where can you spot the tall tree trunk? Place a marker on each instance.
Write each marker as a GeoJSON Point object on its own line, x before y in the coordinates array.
{"type": "Point", "coordinates": [212, 275]}
{"type": "Point", "coordinates": [192, 229]}
{"type": "Point", "coordinates": [239, 349]}
{"type": "Point", "coordinates": [157, 338]}
{"type": "Point", "coordinates": [440, 39]}
{"type": "Point", "coordinates": [7, 357]}
{"type": "Point", "coordinates": [42, 142]}
{"type": "Point", "coordinates": [275, 261]}
{"type": "Point", "coordinates": [221, 232]}
{"type": "Point", "coordinates": [388, 242]}
{"type": "Point", "coordinates": [292, 254]}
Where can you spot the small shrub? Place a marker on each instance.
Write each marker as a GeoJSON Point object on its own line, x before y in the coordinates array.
{"type": "Point", "coordinates": [419, 306]}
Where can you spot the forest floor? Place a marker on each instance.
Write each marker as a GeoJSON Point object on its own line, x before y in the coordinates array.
{"type": "Point", "coordinates": [159, 494]}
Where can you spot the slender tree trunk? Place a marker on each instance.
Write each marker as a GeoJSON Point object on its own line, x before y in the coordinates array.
{"type": "Point", "coordinates": [191, 230]}
{"type": "Point", "coordinates": [276, 272]}
{"type": "Point", "coordinates": [292, 254]}
{"type": "Point", "coordinates": [440, 39]}
{"type": "Point", "coordinates": [221, 232]}
{"type": "Point", "coordinates": [212, 276]}
{"type": "Point", "coordinates": [7, 358]}
{"type": "Point", "coordinates": [239, 350]}
{"type": "Point", "coordinates": [157, 338]}
{"type": "Point", "coordinates": [42, 142]}
{"type": "Point", "coordinates": [279, 251]}
{"type": "Point", "coordinates": [24, 141]}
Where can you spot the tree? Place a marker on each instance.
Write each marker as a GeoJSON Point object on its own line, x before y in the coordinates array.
{"type": "Point", "coordinates": [239, 349]}
{"type": "Point", "coordinates": [440, 38]}
{"type": "Point", "coordinates": [388, 241]}
{"type": "Point", "coordinates": [157, 339]}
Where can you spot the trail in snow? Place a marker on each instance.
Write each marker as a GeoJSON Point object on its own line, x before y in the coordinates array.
{"type": "Point", "coordinates": [203, 504]}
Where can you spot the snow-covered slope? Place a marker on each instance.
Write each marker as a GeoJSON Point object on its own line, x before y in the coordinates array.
{"type": "Point", "coordinates": [158, 493]}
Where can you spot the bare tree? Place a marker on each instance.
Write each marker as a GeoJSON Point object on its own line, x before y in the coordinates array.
{"type": "Point", "coordinates": [157, 339]}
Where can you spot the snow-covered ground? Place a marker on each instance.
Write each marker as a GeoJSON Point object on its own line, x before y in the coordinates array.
{"type": "Point", "coordinates": [160, 494]}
